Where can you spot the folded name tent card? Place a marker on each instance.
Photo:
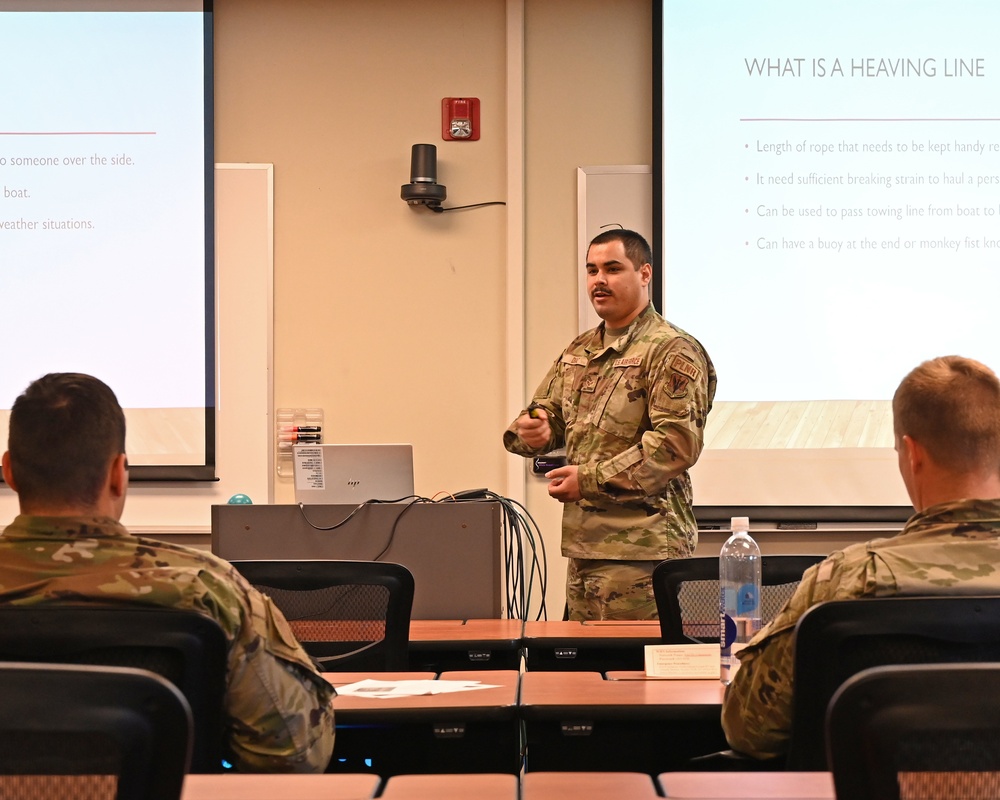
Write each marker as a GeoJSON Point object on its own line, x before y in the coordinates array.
{"type": "Point", "coordinates": [682, 661]}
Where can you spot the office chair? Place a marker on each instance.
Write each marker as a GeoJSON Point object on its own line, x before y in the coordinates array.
{"type": "Point", "coordinates": [348, 615]}
{"type": "Point", "coordinates": [687, 593]}
{"type": "Point", "coordinates": [188, 649]}
{"type": "Point", "coordinates": [836, 640]}
{"type": "Point", "coordinates": [899, 732]}
{"type": "Point", "coordinates": [83, 732]}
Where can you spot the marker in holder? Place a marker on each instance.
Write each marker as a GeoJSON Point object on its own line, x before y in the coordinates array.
{"type": "Point", "coordinates": [294, 426]}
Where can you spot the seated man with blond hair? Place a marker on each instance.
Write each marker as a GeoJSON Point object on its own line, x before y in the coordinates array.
{"type": "Point", "coordinates": [946, 419]}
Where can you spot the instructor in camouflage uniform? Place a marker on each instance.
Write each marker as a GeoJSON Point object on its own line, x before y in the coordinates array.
{"type": "Point", "coordinates": [66, 461]}
{"type": "Point", "coordinates": [628, 400]}
{"type": "Point", "coordinates": [946, 419]}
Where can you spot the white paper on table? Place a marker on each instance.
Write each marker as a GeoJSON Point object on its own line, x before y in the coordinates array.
{"type": "Point", "coordinates": [682, 661]}
{"type": "Point", "coordinates": [411, 688]}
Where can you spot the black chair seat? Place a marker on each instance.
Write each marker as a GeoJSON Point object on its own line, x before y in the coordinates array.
{"type": "Point", "coordinates": [687, 593]}
{"type": "Point", "coordinates": [185, 647]}
{"type": "Point", "coordinates": [348, 615]}
{"type": "Point", "coordinates": [836, 640]}
{"type": "Point", "coordinates": [916, 731]}
{"type": "Point", "coordinates": [91, 732]}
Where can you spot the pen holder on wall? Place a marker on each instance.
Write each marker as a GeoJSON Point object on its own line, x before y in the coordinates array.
{"type": "Point", "coordinates": [294, 426]}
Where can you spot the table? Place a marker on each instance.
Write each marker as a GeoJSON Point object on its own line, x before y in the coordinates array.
{"type": "Point", "coordinates": [269, 787]}
{"type": "Point", "coordinates": [588, 645]}
{"type": "Point", "coordinates": [587, 785]}
{"type": "Point", "coordinates": [435, 787]}
{"type": "Point", "coordinates": [458, 732]}
{"type": "Point", "coordinates": [451, 644]}
{"type": "Point", "coordinates": [747, 785]}
{"type": "Point", "coordinates": [578, 720]}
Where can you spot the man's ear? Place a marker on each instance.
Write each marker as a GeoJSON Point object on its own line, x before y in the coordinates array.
{"type": "Point", "coordinates": [916, 454]}
{"type": "Point", "coordinates": [118, 475]}
{"type": "Point", "coordinates": [646, 271]}
{"type": "Point", "coordinates": [8, 473]}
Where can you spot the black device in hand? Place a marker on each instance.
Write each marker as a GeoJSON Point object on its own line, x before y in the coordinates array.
{"type": "Point", "coordinates": [542, 464]}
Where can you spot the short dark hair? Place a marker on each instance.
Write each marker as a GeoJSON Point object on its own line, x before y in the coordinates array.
{"type": "Point", "coordinates": [951, 405]}
{"type": "Point", "coordinates": [65, 429]}
{"type": "Point", "coordinates": [636, 247]}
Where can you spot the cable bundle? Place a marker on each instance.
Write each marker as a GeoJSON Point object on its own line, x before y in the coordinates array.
{"type": "Point", "coordinates": [525, 561]}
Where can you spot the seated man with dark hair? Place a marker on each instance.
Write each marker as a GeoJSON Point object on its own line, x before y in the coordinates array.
{"type": "Point", "coordinates": [946, 419]}
{"type": "Point", "coordinates": [66, 461]}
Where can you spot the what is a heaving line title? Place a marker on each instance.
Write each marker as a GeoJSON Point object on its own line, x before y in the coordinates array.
{"type": "Point", "coordinates": [785, 67]}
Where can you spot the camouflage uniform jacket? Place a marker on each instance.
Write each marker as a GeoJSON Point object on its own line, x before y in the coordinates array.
{"type": "Point", "coordinates": [950, 548]}
{"type": "Point", "coordinates": [631, 413]}
{"type": "Point", "coordinates": [279, 717]}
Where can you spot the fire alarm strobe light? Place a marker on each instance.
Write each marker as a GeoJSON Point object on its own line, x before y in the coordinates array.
{"type": "Point", "coordinates": [460, 119]}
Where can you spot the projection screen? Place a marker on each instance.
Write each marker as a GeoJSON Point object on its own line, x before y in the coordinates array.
{"type": "Point", "coordinates": [106, 214]}
{"type": "Point", "coordinates": [826, 205]}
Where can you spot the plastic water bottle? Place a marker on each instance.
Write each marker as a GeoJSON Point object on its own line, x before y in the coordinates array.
{"type": "Point", "coordinates": [739, 590]}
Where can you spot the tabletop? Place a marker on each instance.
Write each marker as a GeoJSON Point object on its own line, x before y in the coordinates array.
{"type": "Point", "coordinates": [589, 785]}
{"type": "Point", "coordinates": [481, 786]}
{"type": "Point", "coordinates": [268, 787]}
{"type": "Point", "coordinates": [460, 630]}
{"type": "Point", "coordinates": [499, 698]}
{"type": "Point", "coordinates": [593, 629]}
{"type": "Point", "coordinates": [673, 698]}
{"type": "Point", "coordinates": [747, 785]}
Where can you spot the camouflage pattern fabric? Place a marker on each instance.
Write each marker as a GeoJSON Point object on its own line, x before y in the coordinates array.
{"type": "Point", "coordinates": [631, 414]}
{"type": "Point", "coordinates": [597, 589]}
{"type": "Point", "coordinates": [950, 548]}
{"type": "Point", "coordinates": [277, 706]}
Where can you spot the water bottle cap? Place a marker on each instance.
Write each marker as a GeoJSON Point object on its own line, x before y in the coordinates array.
{"type": "Point", "coordinates": [740, 524]}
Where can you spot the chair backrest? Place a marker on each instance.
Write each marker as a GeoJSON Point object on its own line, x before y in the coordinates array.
{"type": "Point", "coordinates": [348, 615]}
{"type": "Point", "coordinates": [91, 732]}
{"type": "Point", "coordinates": [687, 593]}
{"type": "Point", "coordinates": [187, 648]}
{"type": "Point", "coordinates": [836, 640]}
{"type": "Point", "coordinates": [916, 731]}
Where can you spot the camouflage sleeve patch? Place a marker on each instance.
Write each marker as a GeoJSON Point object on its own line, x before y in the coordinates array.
{"type": "Point", "coordinates": [685, 367]}
{"type": "Point", "coordinates": [677, 385]}
{"type": "Point", "coordinates": [681, 372]}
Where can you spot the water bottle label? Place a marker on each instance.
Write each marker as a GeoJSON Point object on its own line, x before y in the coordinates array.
{"type": "Point", "coordinates": [727, 631]}
{"type": "Point", "coordinates": [747, 600]}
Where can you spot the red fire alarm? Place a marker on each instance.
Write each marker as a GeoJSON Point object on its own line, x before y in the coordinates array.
{"type": "Point", "coordinates": [460, 119]}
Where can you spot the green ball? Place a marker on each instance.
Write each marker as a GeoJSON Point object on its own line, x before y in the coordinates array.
{"type": "Point", "coordinates": [240, 500]}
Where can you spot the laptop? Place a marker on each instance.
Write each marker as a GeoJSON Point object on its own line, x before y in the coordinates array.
{"type": "Point", "coordinates": [350, 474]}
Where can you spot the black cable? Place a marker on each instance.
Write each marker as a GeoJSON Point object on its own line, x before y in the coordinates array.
{"type": "Point", "coordinates": [344, 521]}
{"type": "Point", "coordinates": [392, 531]}
{"type": "Point", "coordinates": [530, 532]}
{"type": "Point", "coordinates": [395, 522]}
{"type": "Point", "coordinates": [519, 534]}
{"type": "Point", "coordinates": [522, 533]}
{"type": "Point", "coordinates": [440, 210]}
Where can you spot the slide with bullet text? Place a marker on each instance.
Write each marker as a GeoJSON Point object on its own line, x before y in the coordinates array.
{"type": "Point", "coordinates": [830, 218]}
{"type": "Point", "coordinates": [105, 211]}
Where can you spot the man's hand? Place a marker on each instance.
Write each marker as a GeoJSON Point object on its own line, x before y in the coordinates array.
{"type": "Point", "coordinates": [534, 431]}
{"type": "Point", "coordinates": [564, 483]}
